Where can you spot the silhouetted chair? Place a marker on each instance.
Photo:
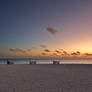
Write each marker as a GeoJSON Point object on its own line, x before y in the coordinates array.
{"type": "Point", "coordinates": [56, 62]}
{"type": "Point", "coordinates": [32, 62]}
{"type": "Point", "coordinates": [9, 62]}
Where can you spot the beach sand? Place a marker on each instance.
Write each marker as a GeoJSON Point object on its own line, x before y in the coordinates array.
{"type": "Point", "coordinates": [45, 78]}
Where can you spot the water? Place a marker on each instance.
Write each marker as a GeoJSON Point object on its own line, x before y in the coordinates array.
{"type": "Point", "coordinates": [26, 61]}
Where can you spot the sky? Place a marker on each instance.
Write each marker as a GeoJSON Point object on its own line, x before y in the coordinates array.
{"type": "Point", "coordinates": [45, 28]}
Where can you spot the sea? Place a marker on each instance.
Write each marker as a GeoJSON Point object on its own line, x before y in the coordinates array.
{"type": "Point", "coordinates": [27, 61]}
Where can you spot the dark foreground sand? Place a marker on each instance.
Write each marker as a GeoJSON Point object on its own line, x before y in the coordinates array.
{"type": "Point", "coordinates": [45, 78]}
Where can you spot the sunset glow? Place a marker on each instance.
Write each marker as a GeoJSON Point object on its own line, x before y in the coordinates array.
{"type": "Point", "coordinates": [46, 29]}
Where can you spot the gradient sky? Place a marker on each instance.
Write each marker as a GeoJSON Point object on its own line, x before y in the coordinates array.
{"type": "Point", "coordinates": [24, 23]}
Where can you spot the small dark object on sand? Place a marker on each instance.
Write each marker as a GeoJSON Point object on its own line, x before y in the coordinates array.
{"type": "Point", "coordinates": [9, 62]}
{"type": "Point", "coordinates": [56, 62]}
{"type": "Point", "coordinates": [32, 62]}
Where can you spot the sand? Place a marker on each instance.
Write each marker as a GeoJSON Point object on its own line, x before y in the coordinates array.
{"type": "Point", "coordinates": [45, 78]}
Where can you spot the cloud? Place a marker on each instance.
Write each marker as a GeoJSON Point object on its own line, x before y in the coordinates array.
{"type": "Point", "coordinates": [52, 31]}
{"type": "Point", "coordinates": [87, 54]}
{"type": "Point", "coordinates": [75, 53]}
{"type": "Point", "coordinates": [29, 50]}
{"type": "Point", "coordinates": [61, 49]}
{"type": "Point", "coordinates": [57, 51]}
{"type": "Point", "coordinates": [65, 53]}
{"type": "Point", "coordinates": [33, 47]}
{"type": "Point", "coordinates": [17, 50]}
{"type": "Point", "coordinates": [47, 50]}
{"type": "Point", "coordinates": [43, 46]}
{"type": "Point", "coordinates": [55, 54]}
{"type": "Point", "coordinates": [43, 53]}
{"type": "Point", "coordinates": [78, 52]}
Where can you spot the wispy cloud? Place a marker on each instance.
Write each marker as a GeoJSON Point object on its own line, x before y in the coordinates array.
{"type": "Point", "coordinates": [43, 46]}
{"type": "Point", "coordinates": [43, 53]}
{"type": "Point", "coordinates": [46, 50]}
{"type": "Point", "coordinates": [52, 30]}
{"type": "Point", "coordinates": [17, 50]}
{"type": "Point", "coordinates": [29, 50]}
{"type": "Point", "coordinates": [55, 54]}
{"type": "Point", "coordinates": [33, 47]}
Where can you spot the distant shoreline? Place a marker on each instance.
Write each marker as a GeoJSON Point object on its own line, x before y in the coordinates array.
{"type": "Point", "coordinates": [46, 59]}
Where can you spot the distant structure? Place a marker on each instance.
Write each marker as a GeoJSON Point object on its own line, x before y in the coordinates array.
{"type": "Point", "coordinates": [9, 62]}
{"type": "Point", "coordinates": [56, 62]}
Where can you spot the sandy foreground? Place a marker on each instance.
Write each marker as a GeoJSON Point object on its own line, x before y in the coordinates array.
{"type": "Point", "coordinates": [45, 78]}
